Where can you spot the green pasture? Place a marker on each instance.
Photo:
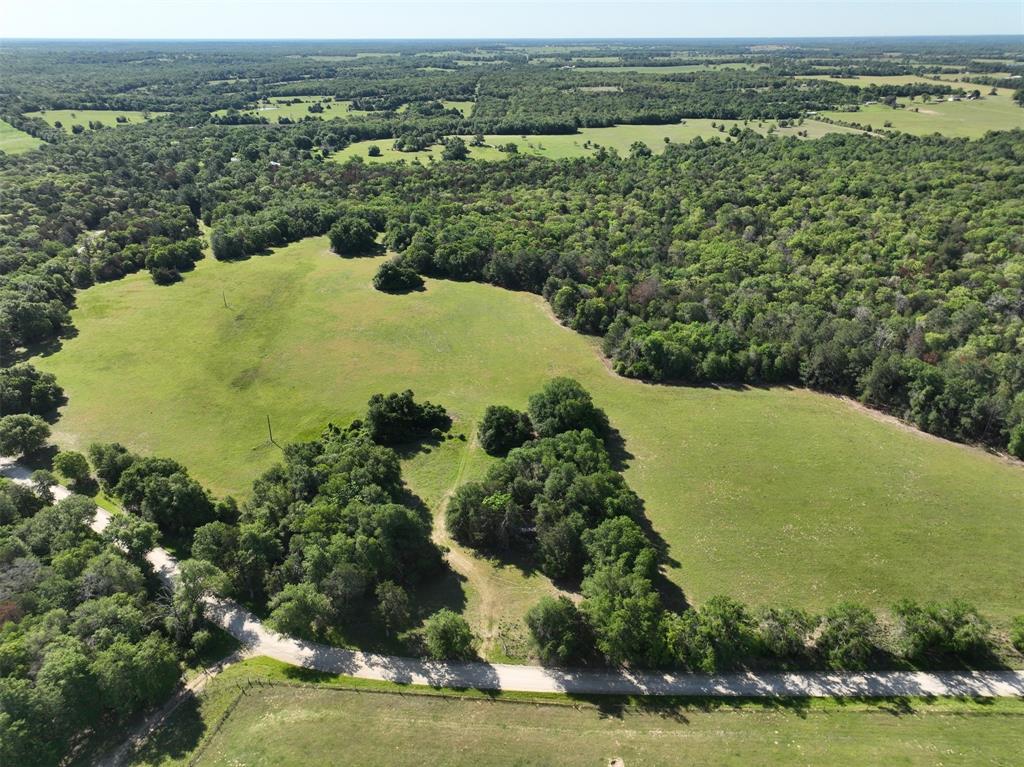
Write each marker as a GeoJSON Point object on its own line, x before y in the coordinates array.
{"type": "Point", "coordinates": [670, 69]}
{"type": "Point", "coordinates": [336, 721]}
{"type": "Point", "coordinates": [960, 119]}
{"type": "Point", "coordinates": [775, 496]}
{"type": "Point", "coordinates": [276, 107]}
{"type": "Point", "coordinates": [586, 141]}
{"type": "Point", "coordinates": [466, 107]}
{"type": "Point", "coordinates": [14, 141]}
{"type": "Point", "coordinates": [953, 81]}
{"type": "Point", "coordinates": [108, 117]}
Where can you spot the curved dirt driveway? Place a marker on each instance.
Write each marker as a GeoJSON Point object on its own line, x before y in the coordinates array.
{"type": "Point", "coordinates": [257, 639]}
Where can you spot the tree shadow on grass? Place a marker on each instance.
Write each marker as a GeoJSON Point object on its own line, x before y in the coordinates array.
{"type": "Point", "coordinates": [179, 736]}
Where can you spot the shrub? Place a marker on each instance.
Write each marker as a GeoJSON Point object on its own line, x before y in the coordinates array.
{"type": "Point", "coordinates": [72, 465]}
{"type": "Point", "coordinates": [955, 628]}
{"type": "Point", "coordinates": [352, 236]}
{"type": "Point", "coordinates": [717, 636]}
{"type": "Point", "coordinates": [392, 605]}
{"type": "Point", "coordinates": [22, 434]}
{"type": "Point", "coordinates": [783, 632]}
{"type": "Point", "coordinates": [394, 277]}
{"type": "Point", "coordinates": [503, 428]}
{"type": "Point", "coordinates": [1017, 633]}
{"type": "Point", "coordinates": [24, 389]}
{"type": "Point", "coordinates": [447, 635]}
{"type": "Point", "coordinates": [299, 610]}
{"type": "Point", "coordinates": [564, 405]}
{"type": "Point", "coordinates": [559, 631]}
{"type": "Point", "coordinates": [396, 418]}
{"type": "Point", "coordinates": [847, 638]}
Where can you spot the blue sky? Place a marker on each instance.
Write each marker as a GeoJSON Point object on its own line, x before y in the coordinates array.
{"type": "Point", "coordinates": [353, 19]}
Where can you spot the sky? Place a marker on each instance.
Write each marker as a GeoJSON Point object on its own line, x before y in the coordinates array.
{"type": "Point", "coordinates": [419, 19]}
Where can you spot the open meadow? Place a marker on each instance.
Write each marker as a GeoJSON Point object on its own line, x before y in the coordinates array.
{"type": "Point", "coordinates": [106, 117]}
{"type": "Point", "coordinates": [332, 721]}
{"type": "Point", "coordinates": [14, 141]}
{"type": "Point", "coordinates": [296, 107]}
{"type": "Point", "coordinates": [772, 495]}
{"type": "Point", "coordinates": [586, 141]}
{"type": "Point", "coordinates": [959, 119]}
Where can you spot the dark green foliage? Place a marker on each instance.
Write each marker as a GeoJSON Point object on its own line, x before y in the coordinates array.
{"type": "Point", "coordinates": [559, 632]}
{"type": "Point", "coordinates": [784, 632]}
{"type": "Point", "coordinates": [322, 532]}
{"type": "Point", "coordinates": [564, 405]}
{"type": "Point", "coordinates": [81, 645]}
{"type": "Point", "coordinates": [502, 429]}
{"type": "Point", "coordinates": [848, 637]}
{"type": "Point", "coordinates": [396, 418]}
{"type": "Point", "coordinates": [160, 490]}
{"type": "Point", "coordinates": [719, 635]}
{"type": "Point", "coordinates": [955, 628]}
{"type": "Point", "coordinates": [446, 635]}
{"type": "Point", "coordinates": [24, 389]}
{"type": "Point", "coordinates": [394, 277]}
{"type": "Point", "coordinates": [352, 236]}
{"type": "Point", "coordinates": [72, 465]}
{"type": "Point", "coordinates": [110, 461]}
{"type": "Point", "coordinates": [392, 605]}
{"type": "Point", "coordinates": [455, 149]}
{"type": "Point", "coordinates": [626, 613]}
{"type": "Point", "coordinates": [22, 434]}
{"type": "Point", "coordinates": [1017, 633]}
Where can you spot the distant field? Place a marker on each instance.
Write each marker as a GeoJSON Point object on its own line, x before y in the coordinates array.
{"type": "Point", "coordinates": [277, 106]}
{"type": "Point", "coordinates": [961, 119]}
{"type": "Point", "coordinates": [466, 107]}
{"type": "Point", "coordinates": [953, 81]}
{"type": "Point", "coordinates": [670, 68]}
{"type": "Point", "coordinates": [771, 495]}
{"type": "Point", "coordinates": [348, 723]}
{"type": "Point", "coordinates": [586, 141]}
{"type": "Point", "coordinates": [14, 141]}
{"type": "Point", "coordinates": [108, 117]}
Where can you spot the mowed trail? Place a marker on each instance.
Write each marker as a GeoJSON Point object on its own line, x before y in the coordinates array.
{"type": "Point", "coordinates": [257, 639]}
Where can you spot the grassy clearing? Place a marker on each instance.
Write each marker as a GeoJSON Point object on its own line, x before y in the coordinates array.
{"type": "Point", "coordinates": [771, 495]}
{"type": "Point", "coordinates": [586, 141]}
{"type": "Point", "coordinates": [276, 107]}
{"type": "Point", "coordinates": [337, 721]}
{"type": "Point", "coordinates": [14, 141]}
{"type": "Point", "coordinates": [670, 69]}
{"type": "Point", "coordinates": [466, 107]}
{"type": "Point", "coordinates": [954, 81]}
{"type": "Point", "coordinates": [107, 117]}
{"type": "Point", "coordinates": [959, 119]}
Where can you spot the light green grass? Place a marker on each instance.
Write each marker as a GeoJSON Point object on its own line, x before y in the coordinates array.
{"type": "Point", "coordinates": [108, 117]}
{"type": "Point", "coordinates": [771, 495]}
{"type": "Point", "coordinates": [587, 140]}
{"type": "Point", "coordinates": [335, 721]}
{"type": "Point", "coordinates": [388, 153]}
{"type": "Point", "coordinates": [14, 141]}
{"type": "Point", "coordinates": [275, 107]}
{"type": "Point", "coordinates": [466, 107]}
{"type": "Point", "coordinates": [669, 69]}
{"type": "Point", "coordinates": [954, 81]}
{"type": "Point", "coordinates": [959, 119]}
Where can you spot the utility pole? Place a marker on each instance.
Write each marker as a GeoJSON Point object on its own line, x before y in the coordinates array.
{"type": "Point", "coordinates": [271, 432]}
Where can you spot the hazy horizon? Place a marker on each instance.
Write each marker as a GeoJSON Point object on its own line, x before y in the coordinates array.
{"type": "Point", "coordinates": [417, 20]}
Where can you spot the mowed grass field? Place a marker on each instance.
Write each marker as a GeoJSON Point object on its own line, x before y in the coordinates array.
{"type": "Point", "coordinates": [107, 117]}
{"type": "Point", "coordinates": [586, 141]}
{"type": "Point", "coordinates": [278, 106]}
{"type": "Point", "coordinates": [14, 141]}
{"type": "Point", "coordinates": [774, 496]}
{"type": "Point", "coordinates": [959, 119]}
{"type": "Point", "coordinates": [345, 722]}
